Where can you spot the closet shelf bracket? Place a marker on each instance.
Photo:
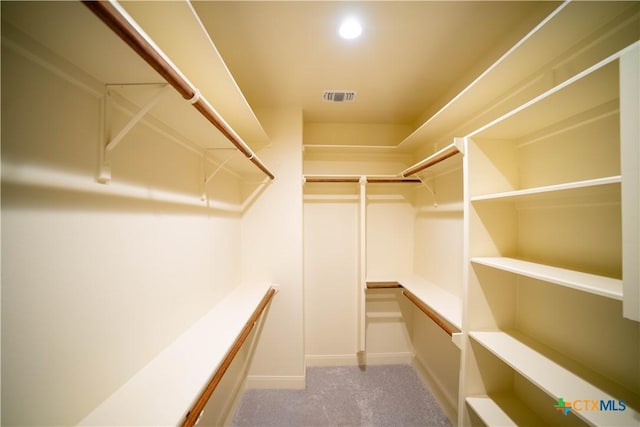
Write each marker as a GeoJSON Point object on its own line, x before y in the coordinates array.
{"type": "Point", "coordinates": [431, 190]}
{"type": "Point", "coordinates": [208, 177]}
{"type": "Point", "coordinates": [110, 143]}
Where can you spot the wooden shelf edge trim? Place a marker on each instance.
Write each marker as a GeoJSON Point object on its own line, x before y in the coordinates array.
{"type": "Point", "coordinates": [383, 285]}
{"type": "Point", "coordinates": [441, 323]}
{"type": "Point", "coordinates": [117, 21]}
{"type": "Point", "coordinates": [193, 415]}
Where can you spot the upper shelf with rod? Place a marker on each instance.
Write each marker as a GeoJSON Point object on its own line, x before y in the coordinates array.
{"type": "Point", "coordinates": [457, 146]}
{"type": "Point", "coordinates": [94, 59]}
{"type": "Point", "coordinates": [369, 179]}
{"type": "Point", "coordinates": [122, 24]}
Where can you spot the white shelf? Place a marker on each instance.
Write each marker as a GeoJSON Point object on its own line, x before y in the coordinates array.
{"type": "Point", "coordinates": [434, 163]}
{"type": "Point", "coordinates": [587, 188]}
{"type": "Point", "coordinates": [598, 285]}
{"type": "Point", "coordinates": [443, 303]}
{"type": "Point", "coordinates": [503, 410]}
{"type": "Point", "coordinates": [547, 370]}
{"type": "Point", "coordinates": [174, 379]}
{"type": "Point", "coordinates": [593, 87]}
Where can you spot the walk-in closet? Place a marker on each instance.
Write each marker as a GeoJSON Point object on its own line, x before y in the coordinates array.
{"type": "Point", "coordinates": [320, 213]}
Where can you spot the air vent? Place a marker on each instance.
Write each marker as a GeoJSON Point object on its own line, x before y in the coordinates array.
{"type": "Point", "coordinates": [339, 95]}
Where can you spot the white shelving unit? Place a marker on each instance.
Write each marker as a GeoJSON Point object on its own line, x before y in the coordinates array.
{"type": "Point", "coordinates": [545, 205]}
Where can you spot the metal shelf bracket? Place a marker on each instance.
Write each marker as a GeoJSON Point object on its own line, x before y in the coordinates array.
{"type": "Point", "coordinates": [109, 143]}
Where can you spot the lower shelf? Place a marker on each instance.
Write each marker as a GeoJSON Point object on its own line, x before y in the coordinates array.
{"type": "Point", "coordinates": [443, 303]}
{"type": "Point", "coordinates": [548, 371]}
{"type": "Point", "coordinates": [173, 380]}
{"type": "Point", "coordinates": [503, 410]}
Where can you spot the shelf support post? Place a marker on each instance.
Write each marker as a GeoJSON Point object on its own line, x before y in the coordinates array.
{"type": "Point", "coordinates": [630, 162]}
{"type": "Point", "coordinates": [362, 285]}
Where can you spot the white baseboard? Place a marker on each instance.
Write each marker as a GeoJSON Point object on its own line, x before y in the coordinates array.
{"type": "Point", "coordinates": [331, 359]}
{"type": "Point", "coordinates": [296, 382]}
{"type": "Point", "coordinates": [356, 359]}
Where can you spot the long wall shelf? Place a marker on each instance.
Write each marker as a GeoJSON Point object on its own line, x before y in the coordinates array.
{"type": "Point", "coordinates": [436, 158]}
{"type": "Point", "coordinates": [369, 179]}
{"type": "Point", "coordinates": [201, 350]}
{"type": "Point", "coordinates": [445, 304]}
{"type": "Point", "coordinates": [548, 370]}
{"type": "Point", "coordinates": [586, 188]}
{"type": "Point", "coordinates": [598, 285]}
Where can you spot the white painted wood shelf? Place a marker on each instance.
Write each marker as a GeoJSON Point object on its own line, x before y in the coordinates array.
{"type": "Point", "coordinates": [591, 188]}
{"type": "Point", "coordinates": [591, 283]}
{"type": "Point", "coordinates": [558, 376]}
{"type": "Point", "coordinates": [443, 303]}
{"type": "Point", "coordinates": [559, 105]}
{"type": "Point", "coordinates": [199, 352]}
{"type": "Point", "coordinates": [503, 410]}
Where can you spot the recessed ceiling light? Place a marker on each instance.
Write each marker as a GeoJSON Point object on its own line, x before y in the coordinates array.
{"type": "Point", "coordinates": [350, 28]}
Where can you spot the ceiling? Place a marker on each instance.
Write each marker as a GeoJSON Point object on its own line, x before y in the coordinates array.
{"type": "Point", "coordinates": [411, 58]}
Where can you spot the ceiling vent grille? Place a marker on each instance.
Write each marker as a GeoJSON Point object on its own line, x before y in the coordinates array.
{"type": "Point", "coordinates": [339, 95]}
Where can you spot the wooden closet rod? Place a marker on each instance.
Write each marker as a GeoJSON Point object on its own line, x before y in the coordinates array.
{"type": "Point", "coordinates": [428, 312]}
{"type": "Point", "coordinates": [196, 410]}
{"type": "Point", "coordinates": [445, 153]}
{"type": "Point", "coordinates": [331, 179]}
{"type": "Point", "coordinates": [116, 19]}
{"type": "Point", "coordinates": [391, 180]}
{"type": "Point", "coordinates": [356, 179]}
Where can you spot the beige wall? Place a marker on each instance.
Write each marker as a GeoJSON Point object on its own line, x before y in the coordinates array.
{"type": "Point", "coordinates": [331, 279]}
{"type": "Point", "coordinates": [332, 252]}
{"type": "Point", "coordinates": [272, 250]}
{"type": "Point", "coordinates": [96, 280]}
{"type": "Point", "coordinates": [438, 257]}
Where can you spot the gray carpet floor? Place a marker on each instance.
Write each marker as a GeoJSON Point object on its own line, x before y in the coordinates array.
{"type": "Point", "coordinates": [382, 395]}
